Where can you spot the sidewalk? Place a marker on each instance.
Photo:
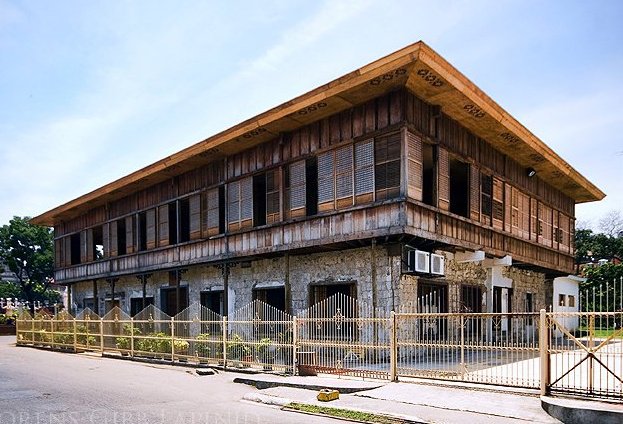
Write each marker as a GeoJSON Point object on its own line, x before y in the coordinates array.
{"type": "Point", "coordinates": [411, 402]}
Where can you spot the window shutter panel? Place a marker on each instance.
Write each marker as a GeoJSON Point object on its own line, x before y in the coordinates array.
{"type": "Point", "coordinates": [498, 204]}
{"type": "Point", "coordinates": [474, 195]}
{"type": "Point", "coordinates": [415, 168]}
{"type": "Point", "coordinates": [534, 220]}
{"type": "Point", "coordinates": [443, 178]}
{"type": "Point", "coordinates": [555, 229]}
{"type": "Point", "coordinates": [59, 259]}
{"type": "Point", "coordinates": [67, 252]}
{"type": "Point", "coordinates": [564, 233]}
{"type": "Point", "coordinates": [344, 177]}
{"type": "Point", "coordinates": [246, 202]}
{"type": "Point", "coordinates": [545, 224]}
{"type": "Point", "coordinates": [90, 247]}
{"type": "Point", "coordinates": [129, 234]}
{"type": "Point", "coordinates": [486, 198]}
{"type": "Point", "coordinates": [298, 190]}
{"type": "Point", "coordinates": [113, 239]}
{"type": "Point", "coordinates": [106, 240]}
{"type": "Point", "coordinates": [194, 203]}
{"type": "Point", "coordinates": [273, 204]}
{"type": "Point", "coordinates": [233, 206]}
{"type": "Point", "coordinates": [507, 208]}
{"type": "Point", "coordinates": [212, 215]}
{"type": "Point", "coordinates": [150, 223]}
{"type": "Point", "coordinates": [524, 212]}
{"type": "Point", "coordinates": [163, 225]}
{"type": "Point", "coordinates": [364, 172]}
{"type": "Point", "coordinates": [387, 167]}
{"type": "Point", "coordinates": [326, 181]}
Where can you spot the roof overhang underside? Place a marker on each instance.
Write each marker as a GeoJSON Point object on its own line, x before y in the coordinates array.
{"type": "Point", "coordinates": [416, 67]}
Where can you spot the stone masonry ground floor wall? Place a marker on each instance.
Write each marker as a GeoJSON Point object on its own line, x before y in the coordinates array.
{"type": "Point", "coordinates": [376, 275]}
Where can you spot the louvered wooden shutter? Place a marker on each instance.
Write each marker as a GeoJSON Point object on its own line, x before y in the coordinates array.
{"type": "Point", "coordinates": [150, 230]}
{"type": "Point", "coordinates": [545, 224]}
{"type": "Point", "coordinates": [474, 193]}
{"type": "Point", "coordinates": [524, 213]}
{"type": "Point", "coordinates": [163, 225]}
{"type": "Point", "coordinates": [273, 204]}
{"type": "Point", "coordinates": [212, 212]}
{"type": "Point", "coordinates": [114, 251]}
{"type": "Point", "coordinates": [514, 206]}
{"type": "Point", "coordinates": [507, 208]}
{"type": "Point", "coordinates": [414, 166]}
{"type": "Point", "coordinates": [246, 202]}
{"type": "Point", "coordinates": [129, 234]}
{"type": "Point", "coordinates": [233, 206]}
{"type": "Point", "coordinates": [344, 177]}
{"type": "Point", "coordinates": [298, 190]}
{"type": "Point", "coordinates": [498, 204]}
{"type": "Point", "coordinates": [326, 181]}
{"type": "Point", "coordinates": [387, 167]}
{"type": "Point", "coordinates": [194, 204]}
{"type": "Point", "coordinates": [534, 220]}
{"type": "Point", "coordinates": [106, 239]}
{"type": "Point", "coordinates": [364, 172]}
{"type": "Point", "coordinates": [59, 259]}
{"type": "Point", "coordinates": [486, 199]}
{"type": "Point", "coordinates": [67, 252]}
{"type": "Point", "coordinates": [565, 232]}
{"type": "Point", "coordinates": [555, 229]}
{"type": "Point", "coordinates": [443, 179]}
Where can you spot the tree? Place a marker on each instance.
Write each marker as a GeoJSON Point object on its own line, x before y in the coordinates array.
{"type": "Point", "coordinates": [26, 249]}
{"type": "Point", "coordinates": [612, 223]}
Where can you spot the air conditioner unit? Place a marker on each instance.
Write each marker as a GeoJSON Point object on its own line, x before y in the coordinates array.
{"type": "Point", "coordinates": [418, 260]}
{"type": "Point", "coordinates": [437, 264]}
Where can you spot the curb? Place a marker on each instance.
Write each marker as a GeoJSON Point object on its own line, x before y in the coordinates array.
{"type": "Point", "coordinates": [263, 384]}
{"type": "Point", "coordinates": [574, 411]}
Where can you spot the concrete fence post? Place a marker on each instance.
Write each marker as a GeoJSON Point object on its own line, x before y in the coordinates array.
{"type": "Point", "coordinates": [544, 352]}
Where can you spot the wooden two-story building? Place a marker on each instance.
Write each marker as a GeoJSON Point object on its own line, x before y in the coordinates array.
{"type": "Point", "coordinates": [396, 182]}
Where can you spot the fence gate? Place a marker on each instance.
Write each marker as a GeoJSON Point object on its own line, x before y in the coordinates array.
{"type": "Point", "coordinates": [585, 354]}
{"type": "Point", "coordinates": [340, 336]}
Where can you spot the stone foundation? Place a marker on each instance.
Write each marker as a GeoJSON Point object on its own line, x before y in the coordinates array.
{"type": "Point", "coordinates": [392, 289]}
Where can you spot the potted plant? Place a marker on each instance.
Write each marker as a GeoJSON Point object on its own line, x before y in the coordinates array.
{"type": "Point", "coordinates": [123, 344]}
{"type": "Point", "coordinates": [263, 352]}
{"type": "Point", "coordinates": [180, 347]}
{"type": "Point", "coordinates": [202, 349]}
{"type": "Point", "coordinates": [238, 350]}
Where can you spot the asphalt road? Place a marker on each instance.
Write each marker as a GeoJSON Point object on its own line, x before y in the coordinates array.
{"type": "Point", "coordinates": [45, 387]}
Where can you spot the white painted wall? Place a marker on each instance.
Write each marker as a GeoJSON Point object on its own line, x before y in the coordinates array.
{"type": "Point", "coordinates": [567, 286]}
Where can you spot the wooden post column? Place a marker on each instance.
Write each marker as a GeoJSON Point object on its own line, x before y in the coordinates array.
{"type": "Point", "coordinates": [96, 300]}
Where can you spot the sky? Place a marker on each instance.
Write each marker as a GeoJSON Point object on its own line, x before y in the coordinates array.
{"type": "Point", "coordinates": [91, 91]}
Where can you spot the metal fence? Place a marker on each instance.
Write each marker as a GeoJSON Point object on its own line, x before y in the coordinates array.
{"type": "Point", "coordinates": [558, 352]}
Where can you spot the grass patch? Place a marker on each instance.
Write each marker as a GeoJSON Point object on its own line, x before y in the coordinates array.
{"type": "Point", "coordinates": [348, 414]}
{"type": "Point", "coordinates": [601, 333]}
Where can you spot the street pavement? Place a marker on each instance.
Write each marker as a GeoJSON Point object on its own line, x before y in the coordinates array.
{"type": "Point", "coordinates": [46, 387]}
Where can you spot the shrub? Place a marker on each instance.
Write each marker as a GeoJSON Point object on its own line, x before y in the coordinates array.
{"type": "Point", "coordinates": [203, 348]}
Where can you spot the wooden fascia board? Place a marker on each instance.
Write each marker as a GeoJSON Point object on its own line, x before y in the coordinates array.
{"type": "Point", "coordinates": [483, 101]}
